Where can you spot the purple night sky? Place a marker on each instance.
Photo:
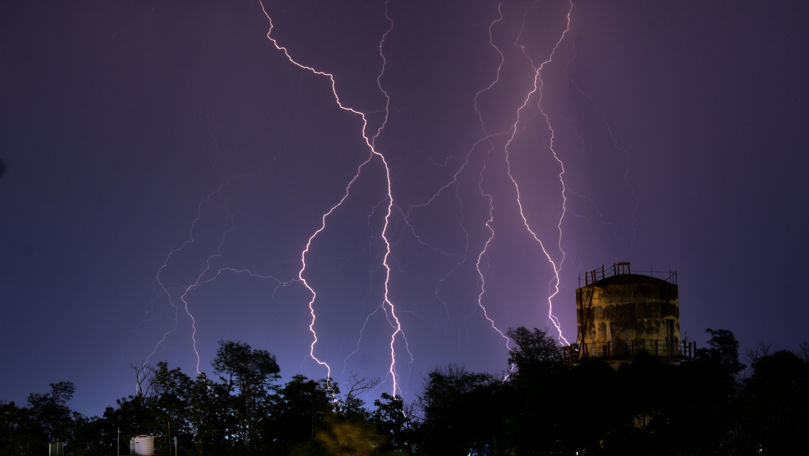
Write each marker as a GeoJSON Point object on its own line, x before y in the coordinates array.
{"type": "Point", "coordinates": [682, 127]}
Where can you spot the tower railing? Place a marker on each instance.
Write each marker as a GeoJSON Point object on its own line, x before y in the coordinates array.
{"type": "Point", "coordinates": [623, 268]}
{"type": "Point", "coordinates": [662, 348]}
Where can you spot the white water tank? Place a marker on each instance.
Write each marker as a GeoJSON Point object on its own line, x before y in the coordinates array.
{"type": "Point", "coordinates": [142, 445]}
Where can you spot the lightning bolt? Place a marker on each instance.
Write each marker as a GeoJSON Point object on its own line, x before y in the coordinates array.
{"type": "Point", "coordinates": [158, 279]}
{"type": "Point", "coordinates": [453, 182]}
{"type": "Point", "coordinates": [381, 307]}
{"type": "Point", "coordinates": [390, 307]}
{"type": "Point", "coordinates": [194, 285]}
{"type": "Point", "coordinates": [487, 196]}
{"type": "Point", "coordinates": [204, 277]}
{"type": "Point", "coordinates": [537, 88]}
{"type": "Point", "coordinates": [202, 280]}
{"type": "Point", "coordinates": [210, 273]}
{"type": "Point", "coordinates": [615, 146]}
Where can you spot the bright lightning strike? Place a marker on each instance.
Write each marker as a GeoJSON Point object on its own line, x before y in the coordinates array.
{"type": "Point", "coordinates": [537, 89]}
{"type": "Point", "coordinates": [453, 182]}
{"type": "Point", "coordinates": [487, 196]}
{"type": "Point", "coordinates": [374, 153]}
{"type": "Point", "coordinates": [481, 255]}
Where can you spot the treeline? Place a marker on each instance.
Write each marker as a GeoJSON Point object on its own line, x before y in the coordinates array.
{"type": "Point", "coordinates": [703, 406]}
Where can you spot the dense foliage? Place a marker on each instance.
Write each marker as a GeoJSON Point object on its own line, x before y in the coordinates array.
{"type": "Point", "coordinates": [703, 406]}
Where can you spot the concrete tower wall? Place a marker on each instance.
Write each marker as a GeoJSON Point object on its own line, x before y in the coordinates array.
{"type": "Point", "coordinates": [623, 314]}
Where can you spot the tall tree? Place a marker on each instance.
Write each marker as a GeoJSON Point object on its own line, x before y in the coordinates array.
{"type": "Point", "coordinates": [173, 401]}
{"type": "Point", "coordinates": [723, 352]}
{"type": "Point", "coordinates": [249, 375]}
{"type": "Point", "coordinates": [19, 434]}
{"type": "Point", "coordinates": [245, 368]}
{"type": "Point", "coordinates": [534, 349]}
{"type": "Point", "coordinates": [302, 407]}
{"type": "Point", "coordinates": [775, 414]}
{"type": "Point", "coordinates": [462, 412]}
{"type": "Point", "coordinates": [51, 413]}
{"type": "Point", "coordinates": [396, 422]}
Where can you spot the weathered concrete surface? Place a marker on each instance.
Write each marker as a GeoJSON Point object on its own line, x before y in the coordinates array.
{"type": "Point", "coordinates": [627, 313]}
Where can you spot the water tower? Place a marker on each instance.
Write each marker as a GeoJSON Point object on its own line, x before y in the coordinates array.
{"type": "Point", "coordinates": [141, 445]}
{"type": "Point", "coordinates": [620, 314]}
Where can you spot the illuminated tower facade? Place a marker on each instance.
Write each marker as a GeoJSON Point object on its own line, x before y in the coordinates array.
{"type": "Point", "coordinates": [620, 314]}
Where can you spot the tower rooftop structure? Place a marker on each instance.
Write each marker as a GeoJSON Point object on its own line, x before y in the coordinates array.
{"type": "Point", "coordinates": [620, 314]}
